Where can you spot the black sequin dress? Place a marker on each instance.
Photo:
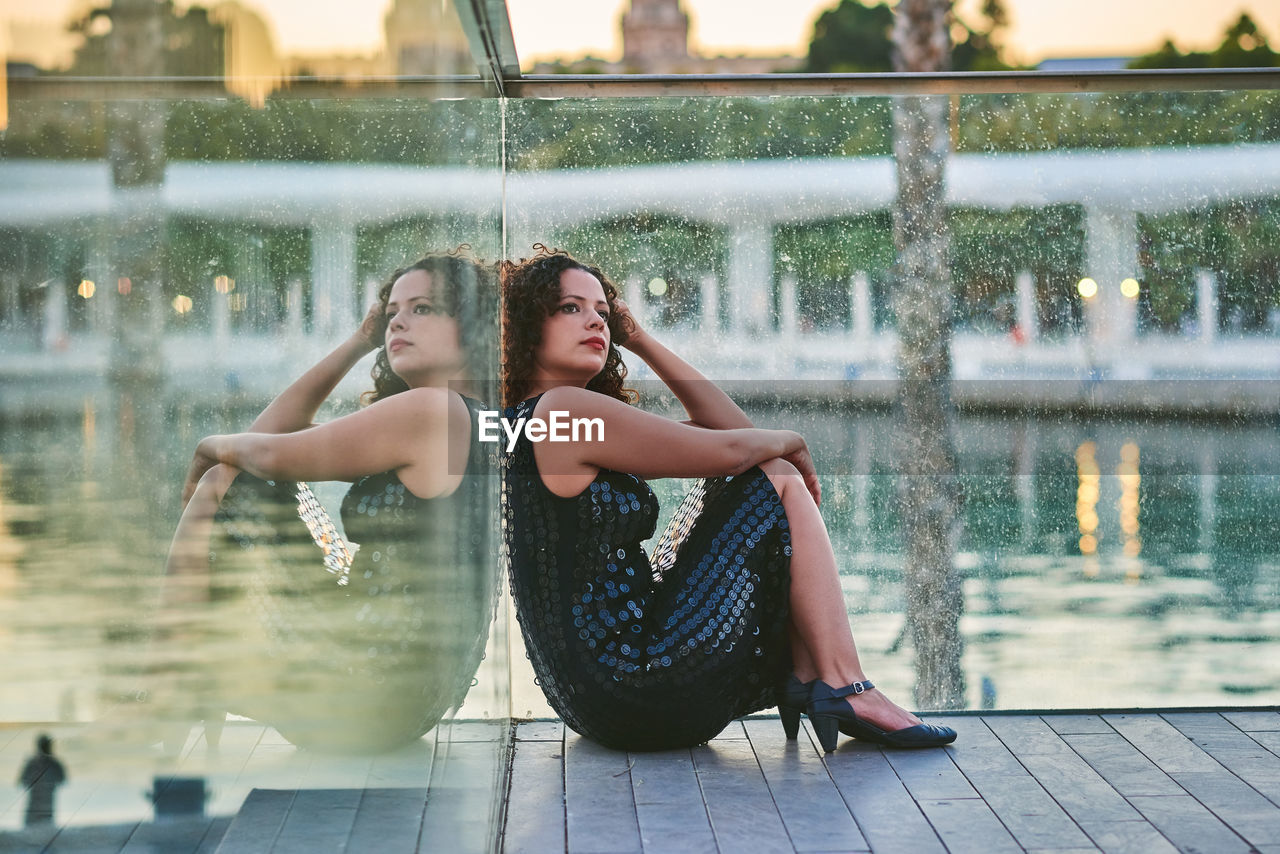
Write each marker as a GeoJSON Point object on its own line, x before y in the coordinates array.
{"type": "Point", "coordinates": [643, 654]}
{"type": "Point", "coordinates": [357, 642]}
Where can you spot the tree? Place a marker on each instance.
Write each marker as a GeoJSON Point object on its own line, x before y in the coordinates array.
{"type": "Point", "coordinates": [929, 496]}
{"type": "Point", "coordinates": [1243, 46]}
{"type": "Point", "coordinates": [853, 36]}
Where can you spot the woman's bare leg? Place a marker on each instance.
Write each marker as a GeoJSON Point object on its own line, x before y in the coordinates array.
{"type": "Point", "coordinates": [822, 642]}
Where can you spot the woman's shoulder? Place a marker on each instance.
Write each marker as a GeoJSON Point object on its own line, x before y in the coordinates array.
{"type": "Point", "coordinates": [577, 401]}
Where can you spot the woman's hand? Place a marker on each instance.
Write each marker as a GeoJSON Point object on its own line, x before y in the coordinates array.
{"type": "Point", "coordinates": [803, 461]}
{"type": "Point", "coordinates": [628, 326]}
{"type": "Point", "coordinates": [373, 329]}
{"type": "Point", "coordinates": [200, 463]}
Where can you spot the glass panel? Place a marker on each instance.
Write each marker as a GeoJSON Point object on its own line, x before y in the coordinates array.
{"type": "Point", "coordinates": [1112, 310]}
{"type": "Point", "coordinates": [168, 265]}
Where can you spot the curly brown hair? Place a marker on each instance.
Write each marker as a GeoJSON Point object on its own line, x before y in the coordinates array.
{"type": "Point", "coordinates": [466, 290]}
{"type": "Point", "coordinates": [530, 294]}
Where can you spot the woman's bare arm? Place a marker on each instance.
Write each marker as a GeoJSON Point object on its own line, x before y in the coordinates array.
{"type": "Point", "coordinates": [409, 432]}
{"type": "Point", "coordinates": [649, 446]}
{"type": "Point", "coordinates": [295, 408]}
{"type": "Point", "coordinates": [707, 405]}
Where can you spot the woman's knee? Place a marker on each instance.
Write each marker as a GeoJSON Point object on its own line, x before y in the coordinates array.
{"type": "Point", "coordinates": [214, 483]}
{"type": "Point", "coordinates": [782, 474]}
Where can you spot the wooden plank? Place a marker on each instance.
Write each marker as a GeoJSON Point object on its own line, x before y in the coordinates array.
{"type": "Point", "coordinates": [1130, 837]}
{"type": "Point", "coordinates": [1031, 734]}
{"type": "Point", "coordinates": [490, 730]}
{"type": "Point", "coordinates": [1026, 809]}
{"type": "Point", "coordinates": [600, 811]}
{"type": "Point", "coordinates": [930, 775]}
{"type": "Point", "coordinates": [319, 820]}
{"type": "Point", "coordinates": [1269, 740]}
{"type": "Point", "coordinates": [535, 806]}
{"type": "Point", "coordinates": [1208, 731]}
{"type": "Point", "coordinates": [890, 819]}
{"type": "Point", "coordinates": [1208, 781]}
{"type": "Point", "coordinates": [1172, 751]}
{"type": "Point", "coordinates": [1077, 724]}
{"type": "Point", "coordinates": [540, 731]}
{"type": "Point", "coordinates": [1123, 765]}
{"type": "Point", "coordinates": [968, 826]}
{"type": "Point", "coordinates": [743, 815]}
{"type": "Point", "coordinates": [462, 801]}
{"type": "Point", "coordinates": [1234, 750]}
{"type": "Point", "coordinates": [733, 732]}
{"type": "Point", "coordinates": [1255, 721]}
{"type": "Point", "coordinates": [258, 822]}
{"type": "Point", "coordinates": [174, 835]}
{"type": "Point", "coordinates": [1188, 825]}
{"type": "Point", "coordinates": [807, 800]}
{"type": "Point", "coordinates": [1078, 789]}
{"type": "Point", "coordinates": [213, 838]}
{"type": "Point", "coordinates": [388, 820]}
{"type": "Point", "coordinates": [408, 768]}
{"type": "Point", "coordinates": [1236, 803]}
{"type": "Point", "coordinates": [669, 806]}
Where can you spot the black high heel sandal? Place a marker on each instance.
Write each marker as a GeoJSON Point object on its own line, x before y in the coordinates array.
{"type": "Point", "coordinates": [793, 698]}
{"type": "Point", "coordinates": [831, 715]}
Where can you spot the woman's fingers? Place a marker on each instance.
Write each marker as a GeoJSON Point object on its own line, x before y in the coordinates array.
{"type": "Point", "coordinates": [626, 321]}
{"type": "Point", "coordinates": [374, 325]}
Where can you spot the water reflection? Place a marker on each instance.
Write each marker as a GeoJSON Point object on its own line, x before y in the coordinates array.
{"type": "Point", "coordinates": [1129, 555]}
{"type": "Point", "coordinates": [41, 776]}
{"type": "Point", "coordinates": [357, 632]}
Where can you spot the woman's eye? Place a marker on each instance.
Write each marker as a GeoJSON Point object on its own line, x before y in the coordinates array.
{"type": "Point", "coordinates": [569, 307]}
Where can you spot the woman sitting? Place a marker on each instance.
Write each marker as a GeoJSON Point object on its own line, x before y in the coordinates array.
{"type": "Point", "coordinates": [740, 607]}
{"type": "Point", "coordinates": [363, 638]}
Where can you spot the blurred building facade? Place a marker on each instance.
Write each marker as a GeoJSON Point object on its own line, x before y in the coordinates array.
{"type": "Point", "coordinates": [655, 40]}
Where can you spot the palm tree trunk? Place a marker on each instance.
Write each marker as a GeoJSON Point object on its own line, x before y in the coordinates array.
{"type": "Point", "coordinates": [929, 494]}
{"type": "Point", "coordinates": [135, 145]}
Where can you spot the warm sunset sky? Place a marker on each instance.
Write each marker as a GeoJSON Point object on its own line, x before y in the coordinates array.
{"type": "Point", "coordinates": [546, 28]}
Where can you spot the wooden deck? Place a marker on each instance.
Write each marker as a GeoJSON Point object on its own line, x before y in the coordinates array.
{"type": "Point", "coordinates": [1135, 783]}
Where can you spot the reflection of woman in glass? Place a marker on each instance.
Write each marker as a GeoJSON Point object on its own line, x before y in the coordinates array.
{"type": "Point", "coordinates": [363, 638]}
{"type": "Point", "coordinates": [740, 607]}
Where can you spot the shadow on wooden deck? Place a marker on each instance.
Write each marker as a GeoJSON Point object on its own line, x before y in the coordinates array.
{"type": "Point", "coordinates": [1142, 783]}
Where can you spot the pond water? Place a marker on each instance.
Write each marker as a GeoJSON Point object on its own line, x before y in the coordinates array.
{"type": "Point", "coordinates": [1107, 562]}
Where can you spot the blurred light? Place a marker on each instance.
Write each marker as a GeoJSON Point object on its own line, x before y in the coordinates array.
{"type": "Point", "coordinates": [1088, 288]}
{"type": "Point", "coordinates": [124, 285]}
{"type": "Point", "coordinates": [237, 302]}
{"type": "Point", "coordinates": [181, 304]}
{"type": "Point", "coordinates": [224, 284]}
{"type": "Point", "coordinates": [1087, 490]}
{"type": "Point", "coordinates": [1130, 288]}
{"type": "Point", "coordinates": [1130, 483]}
{"type": "Point", "coordinates": [86, 288]}
{"type": "Point", "coordinates": [657, 286]}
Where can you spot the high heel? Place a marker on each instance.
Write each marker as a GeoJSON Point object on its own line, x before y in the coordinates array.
{"type": "Point", "coordinates": [793, 697]}
{"type": "Point", "coordinates": [831, 715]}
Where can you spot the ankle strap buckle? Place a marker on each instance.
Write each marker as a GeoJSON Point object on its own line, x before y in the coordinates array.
{"type": "Point", "coordinates": [856, 688]}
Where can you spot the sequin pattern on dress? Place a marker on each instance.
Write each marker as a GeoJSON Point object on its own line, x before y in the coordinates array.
{"type": "Point", "coordinates": [647, 654]}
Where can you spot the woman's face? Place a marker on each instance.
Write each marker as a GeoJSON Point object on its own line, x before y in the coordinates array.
{"type": "Point", "coordinates": [422, 341]}
{"type": "Point", "coordinates": [575, 337]}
